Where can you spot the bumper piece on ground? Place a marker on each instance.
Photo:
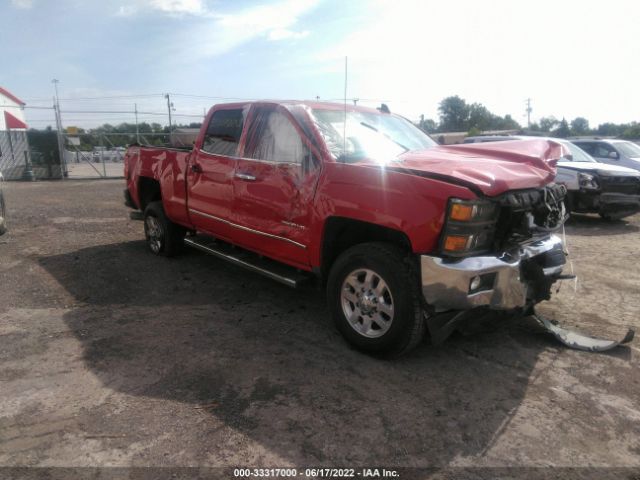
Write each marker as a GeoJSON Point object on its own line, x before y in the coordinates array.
{"type": "Point", "coordinates": [500, 283]}
{"type": "Point", "coordinates": [580, 341]}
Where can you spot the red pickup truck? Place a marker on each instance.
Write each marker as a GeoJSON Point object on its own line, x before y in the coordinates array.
{"type": "Point", "coordinates": [405, 235]}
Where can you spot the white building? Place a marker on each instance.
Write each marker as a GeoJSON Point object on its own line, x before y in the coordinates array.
{"type": "Point", "coordinates": [14, 147]}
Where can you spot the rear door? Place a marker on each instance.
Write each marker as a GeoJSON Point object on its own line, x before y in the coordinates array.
{"type": "Point", "coordinates": [210, 172]}
{"type": "Point", "coordinates": [274, 185]}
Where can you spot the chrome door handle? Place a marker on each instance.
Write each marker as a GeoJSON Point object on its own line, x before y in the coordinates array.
{"type": "Point", "coordinates": [245, 176]}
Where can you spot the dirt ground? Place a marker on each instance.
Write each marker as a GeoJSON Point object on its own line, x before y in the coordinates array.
{"type": "Point", "coordinates": [112, 357]}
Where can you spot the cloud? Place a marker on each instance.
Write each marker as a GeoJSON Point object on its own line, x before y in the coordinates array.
{"type": "Point", "coordinates": [126, 11]}
{"type": "Point", "coordinates": [221, 32]}
{"type": "Point", "coordinates": [192, 7]}
{"type": "Point", "coordinates": [22, 3]}
{"type": "Point", "coordinates": [283, 34]}
{"type": "Point", "coordinates": [168, 7]}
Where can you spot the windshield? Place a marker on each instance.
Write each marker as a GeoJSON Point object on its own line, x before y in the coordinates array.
{"type": "Point", "coordinates": [379, 137]}
{"type": "Point", "coordinates": [628, 149]}
{"type": "Point", "coordinates": [577, 153]}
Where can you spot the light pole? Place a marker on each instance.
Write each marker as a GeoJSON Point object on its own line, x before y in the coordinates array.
{"type": "Point", "coordinates": [63, 160]}
{"type": "Point", "coordinates": [169, 108]}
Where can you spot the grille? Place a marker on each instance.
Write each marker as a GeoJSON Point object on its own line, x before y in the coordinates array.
{"type": "Point", "coordinates": [626, 185]}
{"type": "Point", "coordinates": [519, 209]}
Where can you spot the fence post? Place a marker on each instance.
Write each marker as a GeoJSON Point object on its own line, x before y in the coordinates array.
{"type": "Point", "coordinates": [104, 167]}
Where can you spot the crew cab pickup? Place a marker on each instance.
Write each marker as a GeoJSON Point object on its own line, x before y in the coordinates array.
{"type": "Point", "coordinates": [406, 236]}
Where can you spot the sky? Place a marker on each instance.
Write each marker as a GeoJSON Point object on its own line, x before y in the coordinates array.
{"type": "Point", "coordinates": [571, 58]}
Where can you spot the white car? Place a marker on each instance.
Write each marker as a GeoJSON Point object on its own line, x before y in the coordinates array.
{"type": "Point", "coordinates": [612, 191]}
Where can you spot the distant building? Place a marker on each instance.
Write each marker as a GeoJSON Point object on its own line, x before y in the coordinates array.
{"type": "Point", "coordinates": [183, 137]}
{"type": "Point", "coordinates": [14, 146]}
{"type": "Point", "coordinates": [454, 138]}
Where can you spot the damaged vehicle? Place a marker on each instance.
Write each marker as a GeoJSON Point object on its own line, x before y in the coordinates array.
{"type": "Point", "coordinates": [611, 191]}
{"type": "Point", "coordinates": [404, 236]}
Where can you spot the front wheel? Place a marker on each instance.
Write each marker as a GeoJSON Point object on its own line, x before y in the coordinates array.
{"type": "Point", "coordinates": [374, 298]}
{"type": "Point", "coordinates": [163, 236]}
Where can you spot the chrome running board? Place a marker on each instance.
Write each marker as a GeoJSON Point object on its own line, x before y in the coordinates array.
{"type": "Point", "coordinates": [284, 274]}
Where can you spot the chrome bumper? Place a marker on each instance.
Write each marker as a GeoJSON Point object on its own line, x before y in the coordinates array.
{"type": "Point", "coordinates": [447, 285]}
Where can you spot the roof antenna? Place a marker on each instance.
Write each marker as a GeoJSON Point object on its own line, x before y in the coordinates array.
{"type": "Point", "coordinates": [344, 125]}
{"type": "Point", "coordinates": [384, 108]}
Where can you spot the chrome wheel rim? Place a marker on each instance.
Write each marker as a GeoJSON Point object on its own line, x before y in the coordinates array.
{"type": "Point", "coordinates": [154, 233]}
{"type": "Point", "coordinates": [367, 303]}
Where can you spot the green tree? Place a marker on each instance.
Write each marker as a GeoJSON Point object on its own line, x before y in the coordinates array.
{"type": "Point", "coordinates": [548, 123]}
{"type": "Point", "coordinates": [480, 118]}
{"type": "Point", "coordinates": [633, 132]}
{"type": "Point", "coordinates": [563, 130]}
{"type": "Point", "coordinates": [580, 126]}
{"type": "Point", "coordinates": [610, 129]}
{"type": "Point", "coordinates": [506, 123]}
{"type": "Point", "coordinates": [454, 113]}
{"type": "Point", "coordinates": [427, 125]}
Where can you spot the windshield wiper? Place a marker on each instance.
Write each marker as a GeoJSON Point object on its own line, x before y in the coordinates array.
{"type": "Point", "coordinates": [371, 127]}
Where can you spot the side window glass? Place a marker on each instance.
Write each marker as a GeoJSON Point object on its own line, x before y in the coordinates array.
{"type": "Point", "coordinates": [223, 132]}
{"type": "Point", "coordinates": [602, 150]}
{"type": "Point", "coordinates": [272, 137]}
{"type": "Point", "coordinates": [587, 147]}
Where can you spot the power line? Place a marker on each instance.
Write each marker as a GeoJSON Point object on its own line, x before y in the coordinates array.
{"type": "Point", "coordinates": [106, 97]}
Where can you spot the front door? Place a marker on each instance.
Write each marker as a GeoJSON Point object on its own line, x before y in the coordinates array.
{"type": "Point", "coordinates": [274, 184]}
{"type": "Point", "coordinates": [210, 173]}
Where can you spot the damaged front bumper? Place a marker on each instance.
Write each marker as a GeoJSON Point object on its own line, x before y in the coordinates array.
{"type": "Point", "coordinates": [506, 282]}
{"type": "Point", "coordinates": [618, 204]}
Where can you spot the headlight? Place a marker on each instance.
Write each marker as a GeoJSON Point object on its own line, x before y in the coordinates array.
{"type": "Point", "coordinates": [469, 227]}
{"type": "Point", "coordinates": [588, 181]}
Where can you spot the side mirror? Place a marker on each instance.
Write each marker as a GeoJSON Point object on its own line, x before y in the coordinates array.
{"type": "Point", "coordinates": [613, 155]}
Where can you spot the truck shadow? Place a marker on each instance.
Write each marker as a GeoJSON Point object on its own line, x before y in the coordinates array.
{"type": "Point", "coordinates": [263, 360]}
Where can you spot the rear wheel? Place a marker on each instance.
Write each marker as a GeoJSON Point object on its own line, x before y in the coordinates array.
{"type": "Point", "coordinates": [163, 236]}
{"type": "Point", "coordinates": [374, 297]}
{"type": "Point", "coordinates": [3, 215]}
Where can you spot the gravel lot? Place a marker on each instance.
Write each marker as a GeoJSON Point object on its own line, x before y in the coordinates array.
{"type": "Point", "coordinates": [112, 357]}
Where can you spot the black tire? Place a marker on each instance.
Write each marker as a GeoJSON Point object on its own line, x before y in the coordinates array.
{"type": "Point", "coordinates": [163, 237]}
{"type": "Point", "coordinates": [609, 217]}
{"type": "Point", "coordinates": [399, 276]}
{"type": "Point", "coordinates": [3, 215]}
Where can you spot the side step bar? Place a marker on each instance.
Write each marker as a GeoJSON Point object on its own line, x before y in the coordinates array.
{"type": "Point", "coordinates": [284, 274]}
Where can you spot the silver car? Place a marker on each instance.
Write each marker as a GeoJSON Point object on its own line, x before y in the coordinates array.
{"type": "Point", "coordinates": [3, 223]}
{"type": "Point", "coordinates": [614, 152]}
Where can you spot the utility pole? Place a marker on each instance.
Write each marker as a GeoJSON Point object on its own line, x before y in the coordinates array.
{"type": "Point", "coordinates": [56, 107]}
{"type": "Point", "coordinates": [135, 107]}
{"type": "Point", "coordinates": [529, 110]}
{"type": "Point", "coordinates": [169, 107]}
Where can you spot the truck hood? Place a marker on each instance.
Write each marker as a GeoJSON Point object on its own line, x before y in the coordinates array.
{"type": "Point", "coordinates": [492, 168]}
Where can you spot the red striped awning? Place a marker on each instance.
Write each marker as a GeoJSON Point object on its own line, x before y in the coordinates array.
{"type": "Point", "coordinates": [13, 122]}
